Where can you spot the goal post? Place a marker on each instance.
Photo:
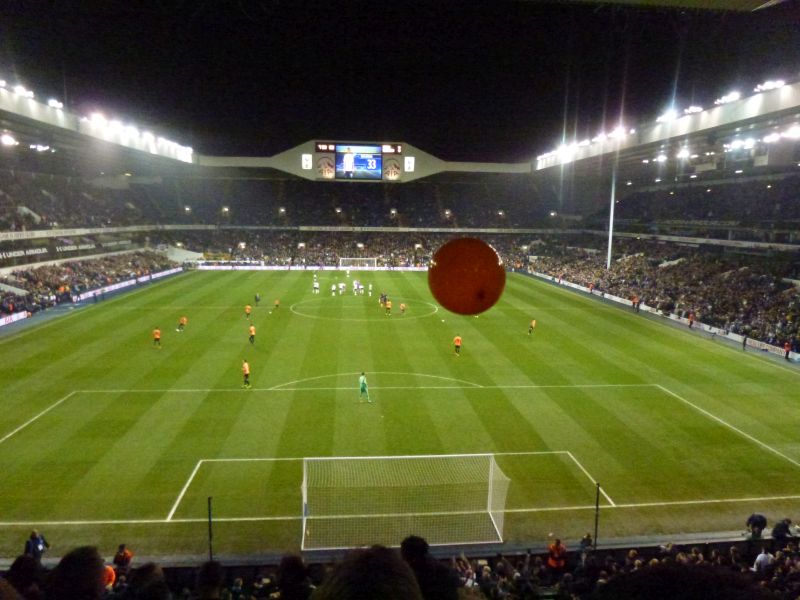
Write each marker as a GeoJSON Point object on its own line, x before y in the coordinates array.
{"type": "Point", "coordinates": [358, 263]}
{"type": "Point", "coordinates": [358, 501]}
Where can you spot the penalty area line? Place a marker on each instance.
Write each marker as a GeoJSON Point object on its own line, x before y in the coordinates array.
{"type": "Point", "coordinates": [34, 418]}
{"type": "Point", "coordinates": [733, 428]}
{"type": "Point", "coordinates": [183, 491]}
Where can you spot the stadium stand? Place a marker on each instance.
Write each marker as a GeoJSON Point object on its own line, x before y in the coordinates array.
{"type": "Point", "coordinates": [752, 568]}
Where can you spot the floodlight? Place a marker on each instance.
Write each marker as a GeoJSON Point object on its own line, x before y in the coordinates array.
{"type": "Point", "coordinates": [585, 142]}
{"type": "Point", "coordinates": [629, 183]}
{"type": "Point", "coordinates": [282, 210]}
{"type": "Point", "coordinates": [693, 176]}
{"type": "Point", "coordinates": [645, 161]}
{"type": "Point", "coordinates": [98, 118]}
{"type": "Point", "coordinates": [769, 85]}
{"type": "Point", "coordinates": [553, 213]}
{"type": "Point", "coordinates": [21, 91]}
{"type": "Point", "coordinates": [359, 245]}
{"type": "Point", "coordinates": [661, 158]}
{"type": "Point", "coordinates": [692, 109]}
{"type": "Point", "coordinates": [225, 209]}
{"type": "Point", "coordinates": [771, 138]}
{"type": "Point", "coordinates": [500, 213]}
{"type": "Point", "coordinates": [338, 210]}
{"type": "Point", "coordinates": [668, 116]}
{"type": "Point", "coordinates": [730, 97]}
{"type": "Point", "coordinates": [187, 208]}
{"type": "Point", "coordinates": [683, 153]}
{"type": "Point", "coordinates": [8, 140]}
{"type": "Point", "coordinates": [53, 103]}
{"type": "Point", "coordinates": [738, 171]}
{"type": "Point", "coordinates": [2, 83]}
{"type": "Point", "coordinates": [792, 133]}
{"type": "Point", "coordinates": [657, 180]}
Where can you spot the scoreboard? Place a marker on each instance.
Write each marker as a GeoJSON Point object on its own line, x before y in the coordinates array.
{"type": "Point", "coordinates": [358, 161]}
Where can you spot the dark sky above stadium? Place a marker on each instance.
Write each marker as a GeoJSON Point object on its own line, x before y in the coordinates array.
{"type": "Point", "coordinates": [491, 81]}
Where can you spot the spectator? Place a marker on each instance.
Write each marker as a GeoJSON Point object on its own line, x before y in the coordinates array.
{"type": "Point", "coordinates": [375, 573]}
{"type": "Point", "coordinates": [210, 581]}
{"type": "Point", "coordinates": [782, 532]}
{"type": "Point", "coordinates": [556, 559]}
{"type": "Point", "coordinates": [763, 561]}
{"type": "Point", "coordinates": [25, 575]}
{"type": "Point", "coordinates": [756, 524]}
{"type": "Point", "coordinates": [436, 581]}
{"type": "Point", "coordinates": [122, 559]}
{"type": "Point", "coordinates": [78, 576]}
{"type": "Point", "coordinates": [36, 546]}
{"type": "Point", "coordinates": [292, 579]}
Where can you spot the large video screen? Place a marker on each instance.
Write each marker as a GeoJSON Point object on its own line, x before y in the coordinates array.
{"type": "Point", "coordinates": [355, 161]}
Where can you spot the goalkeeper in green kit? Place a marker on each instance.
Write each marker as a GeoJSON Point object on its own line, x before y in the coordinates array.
{"type": "Point", "coordinates": [362, 384]}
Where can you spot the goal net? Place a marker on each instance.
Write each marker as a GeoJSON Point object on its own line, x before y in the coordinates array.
{"type": "Point", "coordinates": [358, 263]}
{"type": "Point", "coordinates": [359, 501]}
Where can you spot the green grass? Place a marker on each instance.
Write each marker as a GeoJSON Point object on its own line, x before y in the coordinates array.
{"type": "Point", "coordinates": [684, 433]}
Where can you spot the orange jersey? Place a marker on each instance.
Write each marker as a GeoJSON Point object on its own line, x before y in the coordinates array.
{"type": "Point", "coordinates": [402, 307]}
{"type": "Point", "coordinates": [252, 329]}
{"type": "Point", "coordinates": [457, 340]}
{"type": "Point", "coordinates": [156, 334]}
{"type": "Point", "coordinates": [388, 304]}
{"type": "Point", "coordinates": [184, 320]}
{"type": "Point", "coordinates": [247, 309]}
{"type": "Point", "coordinates": [533, 324]}
{"type": "Point", "coordinates": [245, 368]}
{"type": "Point", "coordinates": [277, 302]}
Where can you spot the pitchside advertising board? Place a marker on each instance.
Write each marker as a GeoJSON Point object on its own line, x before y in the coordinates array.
{"type": "Point", "coordinates": [358, 161]}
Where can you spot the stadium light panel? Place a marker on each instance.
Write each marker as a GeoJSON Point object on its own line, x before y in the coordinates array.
{"type": "Point", "coordinates": [2, 83]}
{"type": "Point", "coordinates": [661, 158]}
{"type": "Point", "coordinates": [53, 103]}
{"type": "Point", "coordinates": [692, 110]}
{"type": "Point", "coordinates": [645, 161]}
{"type": "Point", "coordinates": [792, 133]}
{"type": "Point", "coordinates": [730, 97]}
{"type": "Point", "coordinates": [225, 209]}
{"type": "Point", "coordinates": [771, 138]}
{"type": "Point", "coordinates": [97, 118]}
{"type": "Point", "coordinates": [629, 183]}
{"type": "Point", "coordinates": [585, 142]}
{"type": "Point", "coordinates": [668, 116]}
{"type": "Point", "coordinates": [738, 171]}
{"type": "Point", "coordinates": [187, 209]}
{"type": "Point", "coordinates": [769, 85]}
{"type": "Point", "coordinates": [693, 176]}
{"type": "Point", "coordinates": [338, 210]}
{"type": "Point", "coordinates": [282, 210]}
{"type": "Point", "coordinates": [21, 91]}
{"type": "Point", "coordinates": [8, 140]}
{"type": "Point", "coordinates": [553, 213]}
{"type": "Point", "coordinates": [657, 180]}
{"type": "Point", "coordinates": [683, 153]}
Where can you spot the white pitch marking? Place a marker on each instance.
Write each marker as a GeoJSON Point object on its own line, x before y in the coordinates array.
{"type": "Point", "coordinates": [729, 426]}
{"type": "Point", "coordinates": [275, 387]}
{"type": "Point", "coordinates": [592, 479]}
{"type": "Point", "coordinates": [281, 387]}
{"type": "Point", "coordinates": [31, 420]}
{"type": "Point", "coordinates": [298, 518]}
{"type": "Point", "coordinates": [183, 491]}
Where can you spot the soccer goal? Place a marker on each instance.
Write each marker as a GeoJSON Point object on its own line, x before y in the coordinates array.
{"type": "Point", "coordinates": [358, 263]}
{"type": "Point", "coordinates": [359, 501]}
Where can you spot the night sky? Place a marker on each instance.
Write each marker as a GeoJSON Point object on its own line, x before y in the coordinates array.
{"type": "Point", "coordinates": [490, 81]}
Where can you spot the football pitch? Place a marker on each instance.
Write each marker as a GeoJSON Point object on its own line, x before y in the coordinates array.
{"type": "Point", "coordinates": [105, 438]}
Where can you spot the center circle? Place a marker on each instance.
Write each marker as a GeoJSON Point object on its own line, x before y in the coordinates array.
{"type": "Point", "coordinates": [359, 302]}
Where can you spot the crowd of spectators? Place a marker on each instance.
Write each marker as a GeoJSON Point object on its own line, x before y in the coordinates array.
{"type": "Point", "coordinates": [749, 569]}
{"type": "Point", "coordinates": [766, 202]}
{"type": "Point", "coordinates": [741, 293]}
{"type": "Point", "coordinates": [321, 248]}
{"type": "Point", "coordinates": [49, 285]}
